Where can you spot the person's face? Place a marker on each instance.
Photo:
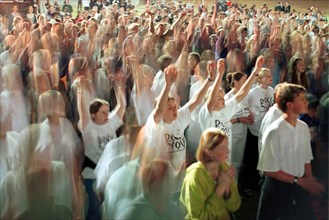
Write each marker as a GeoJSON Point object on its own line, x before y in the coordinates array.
{"type": "Point", "coordinates": [221, 152]}
{"type": "Point", "coordinates": [192, 62]}
{"type": "Point", "coordinates": [30, 9]}
{"type": "Point", "coordinates": [220, 101]}
{"type": "Point", "coordinates": [170, 113]}
{"type": "Point", "coordinates": [101, 117]}
{"type": "Point", "coordinates": [238, 83]}
{"type": "Point", "coordinates": [300, 66]}
{"type": "Point", "coordinates": [299, 104]}
{"type": "Point", "coordinates": [267, 79]}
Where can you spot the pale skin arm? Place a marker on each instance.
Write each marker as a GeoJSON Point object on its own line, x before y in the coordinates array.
{"type": "Point", "coordinates": [243, 92]}
{"type": "Point", "coordinates": [81, 102]}
{"type": "Point", "coordinates": [198, 97]}
{"type": "Point", "coordinates": [214, 91]}
{"type": "Point", "coordinates": [308, 183]}
{"type": "Point", "coordinates": [170, 76]}
{"type": "Point", "coordinates": [120, 108]}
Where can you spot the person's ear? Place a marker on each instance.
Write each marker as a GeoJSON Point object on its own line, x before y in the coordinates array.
{"type": "Point", "coordinates": [289, 105]}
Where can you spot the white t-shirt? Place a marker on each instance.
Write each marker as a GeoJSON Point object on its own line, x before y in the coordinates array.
{"type": "Point", "coordinates": [159, 82]}
{"type": "Point", "coordinates": [115, 155]}
{"type": "Point", "coordinates": [169, 139]}
{"type": "Point", "coordinates": [143, 105]}
{"type": "Point", "coordinates": [238, 128]}
{"type": "Point", "coordinates": [260, 100]}
{"type": "Point", "coordinates": [95, 138]}
{"type": "Point", "coordinates": [286, 148]}
{"type": "Point", "coordinates": [271, 115]}
{"type": "Point", "coordinates": [219, 119]}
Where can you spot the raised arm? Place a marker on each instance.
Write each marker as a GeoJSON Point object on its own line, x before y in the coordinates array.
{"type": "Point", "coordinates": [120, 88]}
{"type": "Point", "coordinates": [198, 97]}
{"type": "Point", "coordinates": [82, 92]}
{"type": "Point", "coordinates": [215, 89]}
{"type": "Point", "coordinates": [170, 76]}
{"type": "Point", "coordinates": [251, 80]}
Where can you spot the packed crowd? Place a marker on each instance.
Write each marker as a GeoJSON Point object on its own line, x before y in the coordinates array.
{"type": "Point", "coordinates": [162, 111]}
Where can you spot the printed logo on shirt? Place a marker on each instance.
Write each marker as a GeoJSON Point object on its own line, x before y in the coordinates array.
{"type": "Point", "coordinates": [266, 103]}
{"type": "Point", "coordinates": [102, 141]}
{"type": "Point", "coordinates": [175, 143]}
{"type": "Point", "coordinates": [221, 126]}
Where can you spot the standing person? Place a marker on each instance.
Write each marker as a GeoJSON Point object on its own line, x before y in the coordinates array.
{"type": "Point", "coordinates": [240, 121]}
{"type": "Point", "coordinates": [260, 99]}
{"type": "Point", "coordinates": [98, 126]}
{"type": "Point", "coordinates": [285, 159]}
{"type": "Point", "coordinates": [287, 8]}
{"type": "Point", "coordinates": [217, 112]}
{"type": "Point", "coordinates": [14, 13]}
{"type": "Point", "coordinates": [209, 189]}
{"type": "Point", "coordinates": [296, 72]}
{"type": "Point", "coordinates": [166, 125]}
{"type": "Point", "coordinates": [31, 15]}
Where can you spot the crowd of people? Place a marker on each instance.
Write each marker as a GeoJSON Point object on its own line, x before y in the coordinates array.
{"type": "Point", "coordinates": [162, 110]}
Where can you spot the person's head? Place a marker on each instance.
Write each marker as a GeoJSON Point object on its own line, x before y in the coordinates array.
{"type": "Point", "coordinates": [313, 104]}
{"type": "Point", "coordinates": [155, 178]}
{"type": "Point", "coordinates": [51, 105]}
{"type": "Point", "coordinates": [30, 9]}
{"type": "Point", "coordinates": [193, 59]}
{"type": "Point", "coordinates": [170, 113]}
{"type": "Point", "coordinates": [265, 77]}
{"type": "Point", "coordinates": [164, 61]}
{"type": "Point", "coordinates": [99, 111]}
{"type": "Point", "coordinates": [236, 79]}
{"type": "Point", "coordinates": [291, 98]}
{"type": "Point", "coordinates": [11, 75]}
{"type": "Point", "coordinates": [213, 147]}
{"type": "Point", "coordinates": [207, 55]}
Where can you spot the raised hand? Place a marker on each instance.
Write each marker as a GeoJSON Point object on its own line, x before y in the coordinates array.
{"type": "Point", "coordinates": [211, 67]}
{"type": "Point", "coordinates": [260, 62]}
{"type": "Point", "coordinates": [171, 74]}
{"type": "Point", "coordinates": [221, 66]}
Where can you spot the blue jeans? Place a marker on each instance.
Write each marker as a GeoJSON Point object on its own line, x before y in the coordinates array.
{"type": "Point", "coordinates": [94, 204]}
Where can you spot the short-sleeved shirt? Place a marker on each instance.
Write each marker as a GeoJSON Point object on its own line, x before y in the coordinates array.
{"type": "Point", "coordinates": [219, 119]}
{"type": "Point", "coordinates": [286, 148]}
{"type": "Point", "coordinates": [260, 100]}
{"type": "Point", "coordinates": [95, 138]}
{"type": "Point", "coordinates": [169, 139]}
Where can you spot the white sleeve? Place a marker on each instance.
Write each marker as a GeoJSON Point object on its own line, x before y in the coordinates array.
{"type": "Point", "coordinates": [269, 157]}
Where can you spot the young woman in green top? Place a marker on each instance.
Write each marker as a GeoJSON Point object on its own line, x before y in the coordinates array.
{"type": "Point", "coordinates": [209, 189]}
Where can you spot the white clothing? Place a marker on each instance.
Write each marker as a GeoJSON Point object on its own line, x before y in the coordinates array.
{"type": "Point", "coordinates": [194, 132]}
{"type": "Point", "coordinates": [115, 155]}
{"type": "Point", "coordinates": [9, 159]}
{"type": "Point", "coordinates": [168, 140]}
{"type": "Point", "coordinates": [14, 103]}
{"type": "Point", "coordinates": [123, 186]}
{"type": "Point", "coordinates": [238, 136]}
{"type": "Point", "coordinates": [143, 105]}
{"type": "Point", "coordinates": [219, 119]}
{"type": "Point", "coordinates": [159, 82]}
{"type": "Point", "coordinates": [260, 100]}
{"type": "Point", "coordinates": [95, 138]}
{"type": "Point", "coordinates": [286, 148]}
{"type": "Point", "coordinates": [271, 115]}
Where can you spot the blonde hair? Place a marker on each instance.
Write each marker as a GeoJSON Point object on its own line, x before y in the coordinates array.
{"type": "Point", "coordinates": [210, 138]}
{"type": "Point", "coordinates": [262, 73]}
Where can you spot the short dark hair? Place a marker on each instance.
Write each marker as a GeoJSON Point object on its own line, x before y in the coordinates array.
{"type": "Point", "coordinates": [96, 105]}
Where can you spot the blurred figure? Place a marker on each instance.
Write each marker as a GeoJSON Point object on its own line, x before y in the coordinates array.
{"type": "Point", "coordinates": [13, 99]}
{"type": "Point", "coordinates": [154, 203]}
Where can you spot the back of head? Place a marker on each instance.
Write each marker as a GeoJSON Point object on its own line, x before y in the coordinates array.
{"type": "Point", "coordinates": [51, 103]}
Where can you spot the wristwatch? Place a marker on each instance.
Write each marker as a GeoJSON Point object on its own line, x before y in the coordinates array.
{"type": "Point", "coordinates": [295, 180]}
